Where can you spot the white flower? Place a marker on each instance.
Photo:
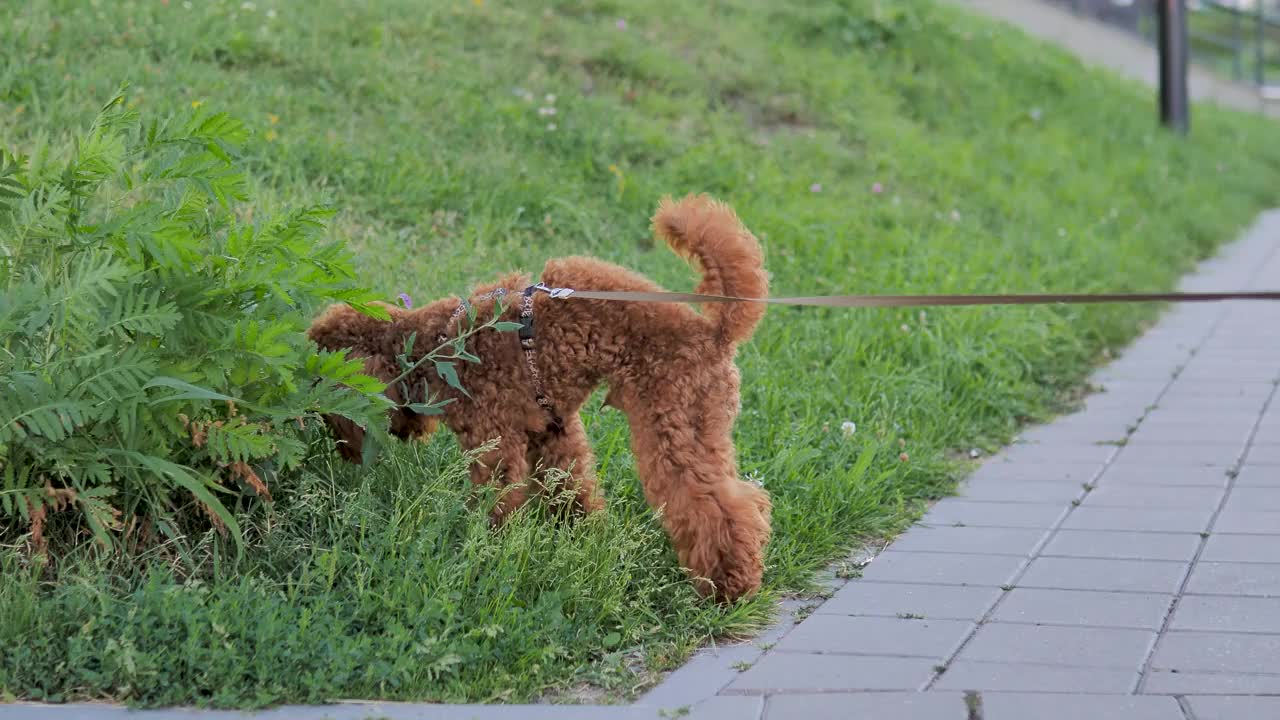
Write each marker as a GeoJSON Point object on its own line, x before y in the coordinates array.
{"type": "Point", "coordinates": [248, 6]}
{"type": "Point", "coordinates": [848, 428]}
{"type": "Point", "coordinates": [546, 111]}
{"type": "Point", "coordinates": [550, 98]}
{"type": "Point", "coordinates": [271, 14]}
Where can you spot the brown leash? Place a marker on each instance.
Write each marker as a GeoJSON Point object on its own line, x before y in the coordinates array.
{"type": "Point", "coordinates": [883, 301]}
{"type": "Point", "coordinates": [527, 342]}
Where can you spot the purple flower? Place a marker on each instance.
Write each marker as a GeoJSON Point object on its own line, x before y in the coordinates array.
{"type": "Point", "coordinates": [815, 188]}
{"type": "Point", "coordinates": [621, 24]}
{"type": "Point", "coordinates": [877, 188]}
{"type": "Point", "coordinates": [406, 301]}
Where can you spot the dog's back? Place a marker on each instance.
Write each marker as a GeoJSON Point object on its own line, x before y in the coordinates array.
{"type": "Point", "coordinates": [704, 232]}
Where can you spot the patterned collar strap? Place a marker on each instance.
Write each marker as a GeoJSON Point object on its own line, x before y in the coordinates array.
{"type": "Point", "coordinates": [530, 349]}
{"type": "Point", "coordinates": [526, 335]}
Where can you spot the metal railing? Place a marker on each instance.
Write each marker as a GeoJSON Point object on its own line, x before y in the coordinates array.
{"type": "Point", "coordinates": [1237, 38]}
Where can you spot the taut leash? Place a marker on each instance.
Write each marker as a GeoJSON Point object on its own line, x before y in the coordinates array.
{"type": "Point", "coordinates": [883, 301]}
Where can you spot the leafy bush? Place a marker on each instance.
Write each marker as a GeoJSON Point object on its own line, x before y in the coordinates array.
{"type": "Point", "coordinates": [153, 358]}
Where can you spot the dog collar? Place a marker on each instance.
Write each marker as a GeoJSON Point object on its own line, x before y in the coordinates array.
{"type": "Point", "coordinates": [526, 337]}
{"type": "Point", "coordinates": [526, 334]}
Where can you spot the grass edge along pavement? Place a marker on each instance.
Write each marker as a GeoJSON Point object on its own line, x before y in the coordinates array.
{"type": "Point", "coordinates": [876, 150]}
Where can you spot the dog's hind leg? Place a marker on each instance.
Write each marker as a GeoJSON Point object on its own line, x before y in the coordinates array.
{"type": "Point", "coordinates": [569, 451]}
{"type": "Point", "coordinates": [718, 524]}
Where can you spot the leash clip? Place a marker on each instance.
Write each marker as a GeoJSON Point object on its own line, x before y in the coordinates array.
{"type": "Point", "coordinates": [554, 293]}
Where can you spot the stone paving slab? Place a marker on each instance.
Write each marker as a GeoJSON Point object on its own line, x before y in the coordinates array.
{"type": "Point", "coordinates": [1234, 708]}
{"type": "Point", "coordinates": [1071, 473]}
{"type": "Point", "coordinates": [1183, 455]}
{"type": "Point", "coordinates": [1141, 576]}
{"type": "Point", "coordinates": [972, 540]}
{"type": "Point", "coordinates": [1087, 517]}
{"type": "Point", "coordinates": [1042, 452]}
{"type": "Point", "coordinates": [1227, 578]}
{"type": "Point", "coordinates": [908, 636]}
{"type": "Point", "coordinates": [1025, 677]}
{"type": "Point", "coordinates": [1227, 613]}
{"type": "Point", "coordinates": [725, 707]}
{"type": "Point", "coordinates": [1054, 645]}
{"type": "Point", "coordinates": [1254, 498]}
{"type": "Point", "coordinates": [1155, 497]}
{"type": "Point", "coordinates": [935, 602]}
{"type": "Point", "coordinates": [872, 706]}
{"type": "Point", "coordinates": [1160, 432]}
{"type": "Point", "coordinates": [798, 672]}
{"type": "Point", "coordinates": [1124, 473]}
{"type": "Point", "coordinates": [1258, 476]}
{"type": "Point", "coordinates": [1217, 653]}
{"type": "Point", "coordinates": [1089, 431]}
{"type": "Point", "coordinates": [1090, 608]}
{"type": "Point", "coordinates": [960, 512]}
{"type": "Point", "coordinates": [1022, 491]}
{"type": "Point", "coordinates": [1067, 707]}
{"type": "Point", "coordinates": [1223, 547]}
{"type": "Point", "coordinates": [1123, 545]}
{"type": "Point", "coordinates": [1160, 682]}
{"type": "Point", "coordinates": [1249, 522]}
{"type": "Point", "coordinates": [1265, 455]}
{"type": "Point", "coordinates": [951, 706]}
{"type": "Point", "coordinates": [943, 568]}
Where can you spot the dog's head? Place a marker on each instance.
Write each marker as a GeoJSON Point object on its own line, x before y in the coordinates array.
{"type": "Point", "coordinates": [378, 343]}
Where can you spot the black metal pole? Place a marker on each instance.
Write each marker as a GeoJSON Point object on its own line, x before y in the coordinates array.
{"type": "Point", "coordinates": [1171, 36]}
{"type": "Point", "coordinates": [1260, 46]}
{"type": "Point", "coordinates": [1237, 44]}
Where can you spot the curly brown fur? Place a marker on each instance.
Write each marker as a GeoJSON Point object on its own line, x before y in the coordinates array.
{"type": "Point", "coordinates": [668, 368]}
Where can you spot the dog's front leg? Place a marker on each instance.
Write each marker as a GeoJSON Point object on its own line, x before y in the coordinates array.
{"type": "Point", "coordinates": [568, 451]}
{"type": "Point", "coordinates": [506, 467]}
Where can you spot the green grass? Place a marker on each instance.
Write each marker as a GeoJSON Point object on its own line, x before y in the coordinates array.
{"type": "Point", "coordinates": [1004, 165]}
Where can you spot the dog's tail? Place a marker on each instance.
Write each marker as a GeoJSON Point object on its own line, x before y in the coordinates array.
{"type": "Point", "coordinates": [709, 235]}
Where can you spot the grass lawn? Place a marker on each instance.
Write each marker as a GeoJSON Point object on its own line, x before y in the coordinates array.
{"type": "Point", "coordinates": [873, 146]}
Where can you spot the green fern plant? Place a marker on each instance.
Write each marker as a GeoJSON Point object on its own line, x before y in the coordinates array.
{"type": "Point", "coordinates": [152, 355]}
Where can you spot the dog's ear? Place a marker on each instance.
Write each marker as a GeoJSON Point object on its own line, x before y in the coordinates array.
{"type": "Point", "coordinates": [349, 435]}
{"type": "Point", "coordinates": [342, 326]}
{"type": "Point", "coordinates": [405, 424]}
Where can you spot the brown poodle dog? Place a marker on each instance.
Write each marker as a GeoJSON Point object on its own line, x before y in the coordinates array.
{"type": "Point", "coordinates": [668, 368]}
